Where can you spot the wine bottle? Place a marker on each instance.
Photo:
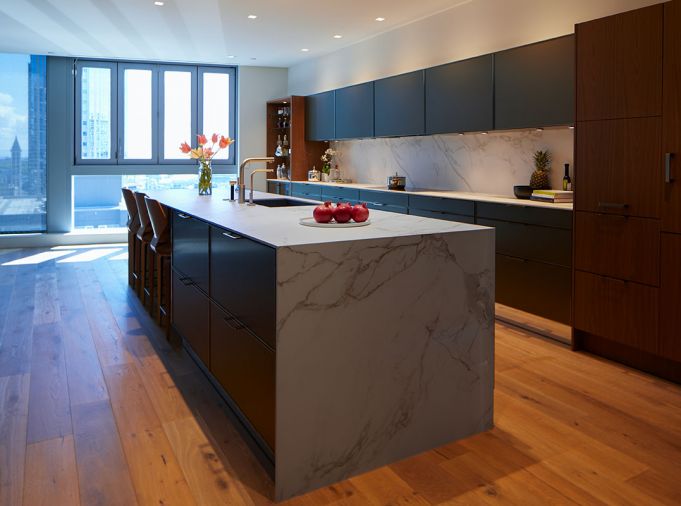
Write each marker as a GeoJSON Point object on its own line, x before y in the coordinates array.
{"type": "Point", "coordinates": [567, 182]}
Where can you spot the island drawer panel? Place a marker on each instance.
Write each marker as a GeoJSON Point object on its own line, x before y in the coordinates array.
{"type": "Point", "coordinates": [542, 244]}
{"type": "Point", "coordinates": [534, 287]}
{"type": "Point", "coordinates": [190, 248]}
{"type": "Point", "coordinates": [439, 215]}
{"type": "Point", "coordinates": [525, 214]}
{"type": "Point", "coordinates": [340, 193]}
{"type": "Point", "coordinates": [306, 191]}
{"type": "Point", "coordinates": [379, 198]}
{"type": "Point", "coordinates": [190, 315]}
{"type": "Point", "coordinates": [445, 205]}
{"type": "Point", "coordinates": [246, 369]}
{"type": "Point", "coordinates": [243, 281]}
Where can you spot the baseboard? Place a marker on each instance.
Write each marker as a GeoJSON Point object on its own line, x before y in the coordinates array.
{"type": "Point", "coordinates": [533, 323]}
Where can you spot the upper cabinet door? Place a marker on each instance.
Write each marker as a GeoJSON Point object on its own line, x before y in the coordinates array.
{"type": "Point", "coordinates": [320, 116]}
{"type": "Point", "coordinates": [534, 85]}
{"type": "Point", "coordinates": [619, 63]}
{"type": "Point", "coordinates": [399, 109]}
{"type": "Point", "coordinates": [460, 96]}
{"type": "Point", "coordinates": [355, 111]}
{"type": "Point", "coordinates": [671, 114]}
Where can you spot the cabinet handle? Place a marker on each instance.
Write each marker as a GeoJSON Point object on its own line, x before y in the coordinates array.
{"type": "Point", "coordinates": [377, 204]}
{"type": "Point", "coordinates": [612, 205]}
{"type": "Point", "coordinates": [229, 320]}
{"type": "Point", "coordinates": [187, 281]}
{"type": "Point", "coordinates": [231, 236]}
{"type": "Point", "coordinates": [184, 216]}
{"type": "Point", "coordinates": [668, 167]}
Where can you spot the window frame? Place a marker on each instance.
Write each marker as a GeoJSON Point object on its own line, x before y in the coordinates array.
{"type": "Point", "coordinates": [121, 160]}
{"type": "Point", "coordinates": [162, 116]}
{"type": "Point", "coordinates": [231, 72]}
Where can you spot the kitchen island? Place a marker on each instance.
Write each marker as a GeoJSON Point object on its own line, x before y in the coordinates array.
{"type": "Point", "coordinates": [340, 350]}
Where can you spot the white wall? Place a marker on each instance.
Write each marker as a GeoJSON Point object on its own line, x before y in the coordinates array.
{"type": "Point", "coordinates": [257, 85]}
{"type": "Point", "coordinates": [473, 28]}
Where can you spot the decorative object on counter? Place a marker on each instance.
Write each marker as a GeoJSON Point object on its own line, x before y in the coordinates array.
{"type": "Point", "coordinates": [397, 182]}
{"type": "Point", "coordinates": [552, 196]}
{"type": "Point", "coordinates": [341, 213]}
{"type": "Point", "coordinates": [310, 222]}
{"type": "Point", "coordinates": [567, 182]}
{"type": "Point", "coordinates": [540, 176]}
{"type": "Point", "coordinates": [522, 191]}
{"type": "Point", "coordinates": [327, 157]}
{"type": "Point", "coordinates": [232, 184]}
{"type": "Point", "coordinates": [205, 154]}
{"type": "Point", "coordinates": [323, 213]}
{"type": "Point", "coordinates": [360, 213]}
{"type": "Point", "coordinates": [335, 174]}
{"type": "Point", "coordinates": [313, 175]}
{"type": "Point", "coordinates": [284, 147]}
{"type": "Point", "coordinates": [279, 151]}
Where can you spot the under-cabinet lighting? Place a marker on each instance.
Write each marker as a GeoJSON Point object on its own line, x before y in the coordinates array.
{"type": "Point", "coordinates": [380, 19]}
{"type": "Point", "coordinates": [305, 50]}
{"type": "Point", "coordinates": [159, 4]}
{"type": "Point", "coordinates": [252, 16]}
{"type": "Point", "coordinates": [337, 36]}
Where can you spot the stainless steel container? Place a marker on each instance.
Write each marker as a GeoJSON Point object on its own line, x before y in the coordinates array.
{"type": "Point", "coordinates": [397, 182]}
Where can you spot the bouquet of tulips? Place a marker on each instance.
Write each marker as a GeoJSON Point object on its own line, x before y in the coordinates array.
{"type": "Point", "coordinates": [204, 154]}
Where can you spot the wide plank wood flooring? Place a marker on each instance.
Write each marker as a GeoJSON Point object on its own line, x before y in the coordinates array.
{"type": "Point", "coordinates": [97, 408]}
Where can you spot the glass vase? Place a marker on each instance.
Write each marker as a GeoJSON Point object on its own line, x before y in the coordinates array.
{"type": "Point", "coordinates": [205, 178]}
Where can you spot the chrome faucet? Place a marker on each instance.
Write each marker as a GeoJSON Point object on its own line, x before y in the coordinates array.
{"type": "Point", "coordinates": [250, 197]}
{"type": "Point", "coordinates": [242, 168]}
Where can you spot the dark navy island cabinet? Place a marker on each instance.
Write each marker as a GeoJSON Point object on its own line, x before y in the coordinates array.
{"type": "Point", "coordinates": [399, 107]}
{"type": "Point", "coordinates": [534, 85]}
{"type": "Point", "coordinates": [355, 111]}
{"type": "Point", "coordinates": [320, 116]}
{"type": "Point", "coordinates": [460, 96]}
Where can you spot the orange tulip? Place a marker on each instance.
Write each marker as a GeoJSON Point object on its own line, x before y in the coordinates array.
{"type": "Point", "coordinates": [214, 138]}
{"type": "Point", "coordinates": [225, 141]}
{"type": "Point", "coordinates": [185, 148]}
{"type": "Point", "coordinates": [201, 139]}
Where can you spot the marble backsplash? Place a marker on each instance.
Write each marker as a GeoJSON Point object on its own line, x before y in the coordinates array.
{"type": "Point", "coordinates": [491, 163]}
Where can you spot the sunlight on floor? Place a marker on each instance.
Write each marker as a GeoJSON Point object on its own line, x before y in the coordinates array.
{"type": "Point", "coordinates": [38, 258]}
{"type": "Point", "coordinates": [80, 253]}
{"type": "Point", "coordinates": [89, 256]}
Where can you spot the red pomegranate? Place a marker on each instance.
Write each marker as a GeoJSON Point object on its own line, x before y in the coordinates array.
{"type": "Point", "coordinates": [342, 212]}
{"type": "Point", "coordinates": [360, 213]}
{"type": "Point", "coordinates": [323, 213]}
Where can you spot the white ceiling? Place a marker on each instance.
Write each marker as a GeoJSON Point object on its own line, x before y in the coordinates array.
{"type": "Point", "coordinates": [205, 31]}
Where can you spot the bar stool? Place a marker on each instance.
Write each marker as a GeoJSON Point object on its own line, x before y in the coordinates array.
{"type": "Point", "coordinates": [133, 243]}
{"type": "Point", "coordinates": [145, 233]}
{"type": "Point", "coordinates": [160, 246]}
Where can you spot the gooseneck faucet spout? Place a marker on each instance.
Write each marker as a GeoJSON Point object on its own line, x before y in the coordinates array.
{"type": "Point", "coordinates": [250, 197]}
{"type": "Point", "coordinates": [242, 179]}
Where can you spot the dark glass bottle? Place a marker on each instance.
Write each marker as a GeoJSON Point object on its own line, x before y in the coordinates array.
{"type": "Point", "coordinates": [567, 182]}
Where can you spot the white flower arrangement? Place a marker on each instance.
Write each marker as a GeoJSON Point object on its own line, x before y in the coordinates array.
{"type": "Point", "coordinates": [328, 156]}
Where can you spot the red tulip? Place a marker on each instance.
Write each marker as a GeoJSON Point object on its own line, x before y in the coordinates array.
{"type": "Point", "coordinates": [208, 153]}
{"type": "Point", "coordinates": [214, 138]}
{"type": "Point", "coordinates": [225, 141]}
{"type": "Point", "coordinates": [201, 139]}
{"type": "Point", "coordinates": [185, 148]}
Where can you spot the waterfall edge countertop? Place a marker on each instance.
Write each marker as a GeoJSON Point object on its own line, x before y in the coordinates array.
{"type": "Point", "coordinates": [280, 227]}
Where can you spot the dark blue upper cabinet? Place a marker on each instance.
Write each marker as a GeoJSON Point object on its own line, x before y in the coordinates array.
{"type": "Point", "coordinates": [399, 108]}
{"type": "Point", "coordinates": [535, 85]}
{"type": "Point", "coordinates": [460, 96]}
{"type": "Point", "coordinates": [320, 116]}
{"type": "Point", "coordinates": [355, 111]}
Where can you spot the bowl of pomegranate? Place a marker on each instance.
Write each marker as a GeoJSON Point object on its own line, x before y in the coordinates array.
{"type": "Point", "coordinates": [340, 215]}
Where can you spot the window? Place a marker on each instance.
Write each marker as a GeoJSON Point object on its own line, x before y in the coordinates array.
{"type": "Point", "coordinates": [139, 113]}
{"type": "Point", "coordinates": [23, 147]}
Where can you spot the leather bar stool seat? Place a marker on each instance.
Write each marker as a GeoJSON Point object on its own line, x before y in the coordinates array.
{"type": "Point", "coordinates": [160, 246]}
{"type": "Point", "coordinates": [134, 244]}
{"type": "Point", "coordinates": [145, 234]}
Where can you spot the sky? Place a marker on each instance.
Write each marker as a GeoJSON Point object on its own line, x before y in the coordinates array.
{"type": "Point", "coordinates": [13, 102]}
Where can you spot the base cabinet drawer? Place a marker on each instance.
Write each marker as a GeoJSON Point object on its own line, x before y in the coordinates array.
{"type": "Point", "coordinates": [306, 191]}
{"type": "Point", "coordinates": [190, 248]}
{"type": "Point", "coordinates": [191, 315]}
{"type": "Point", "coordinates": [440, 215]}
{"type": "Point", "coordinates": [441, 204]}
{"type": "Point", "coordinates": [534, 287]}
{"type": "Point", "coordinates": [617, 310]}
{"type": "Point", "coordinates": [340, 194]}
{"type": "Point", "coordinates": [246, 369]}
{"type": "Point", "coordinates": [531, 215]}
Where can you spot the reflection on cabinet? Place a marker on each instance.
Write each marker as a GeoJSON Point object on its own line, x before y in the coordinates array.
{"type": "Point", "coordinates": [671, 118]}
{"type": "Point", "coordinates": [321, 116]}
{"type": "Point", "coordinates": [670, 295]}
{"type": "Point", "coordinates": [534, 85]}
{"type": "Point", "coordinates": [279, 187]}
{"type": "Point", "coordinates": [399, 108]}
{"type": "Point", "coordinates": [460, 96]}
{"type": "Point", "coordinates": [355, 111]}
{"type": "Point", "coordinates": [190, 315]}
{"type": "Point", "coordinates": [190, 249]}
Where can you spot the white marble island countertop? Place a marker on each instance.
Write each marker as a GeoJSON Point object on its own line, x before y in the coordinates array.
{"type": "Point", "coordinates": [280, 227]}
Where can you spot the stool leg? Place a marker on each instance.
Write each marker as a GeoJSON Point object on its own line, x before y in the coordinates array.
{"type": "Point", "coordinates": [152, 281]}
{"type": "Point", "coordinates": [159, 290]}
{"type": "Point", "coordinates": [142, 272]}
{"type": "Point", "coordinates": [131, 259]}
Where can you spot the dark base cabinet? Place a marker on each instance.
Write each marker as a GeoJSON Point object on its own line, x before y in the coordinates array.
{"type": "Point", "coordinates": [190, 248]}
{"type": "Point", "coordinates": [246, 370]}
{"type": "Point", "coordinates": [441, 215]}
{"type": "Point", "coordinates": [191, 315]}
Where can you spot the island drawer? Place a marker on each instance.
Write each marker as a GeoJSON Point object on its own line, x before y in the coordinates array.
{"type": "Point", "coordinates": [440, 215]}
{"type": "Point", "coordinates": [246, 369]}
{"type": "Point", "coordinates": [526, 214]}
{"type": "Point", "coordinates": [190, 248]}
{"type": "Point", "coordinates": [306, 191]}
{"type": "Point", "coordinates": [339, 193]}
{"type": "Point", "coordinates": [542, 244]}
{"type": "Point", "coordinates": [190, 315]}
{"type": "Point", "coordinates": [441, 204]}
{"type": "Point", "coordinates": [243, 281]}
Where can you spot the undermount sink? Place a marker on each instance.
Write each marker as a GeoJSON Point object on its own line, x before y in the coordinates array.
{"type": "Point", "coordinates": [281, 202]}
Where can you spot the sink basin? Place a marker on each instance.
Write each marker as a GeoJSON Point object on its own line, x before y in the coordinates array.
{"type": "Point", "coordinates": [281, 202]}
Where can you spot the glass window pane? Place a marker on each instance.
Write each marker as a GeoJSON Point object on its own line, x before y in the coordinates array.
{"type": "Point", "coordinates": [95, 143]}
{"type": "Point", "coordinates": [23, 113]}
{"type": "Point", "coordinates": [216, 107]}
{"type": "Point", "coordinates": [137, 114]}
{"type": "Point", "coordinates": [177, 107]}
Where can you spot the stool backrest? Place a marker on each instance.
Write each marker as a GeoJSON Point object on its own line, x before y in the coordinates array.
{"type": "Point", "coordinates": [159, 221]}
{"type": "Point", "coordinates": [133, 212]}
{"type": "Point", "coordinates": [145, 232]}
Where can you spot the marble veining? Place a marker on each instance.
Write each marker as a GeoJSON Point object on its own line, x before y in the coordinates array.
{"type": "Point", "coordinates": [491, 163]}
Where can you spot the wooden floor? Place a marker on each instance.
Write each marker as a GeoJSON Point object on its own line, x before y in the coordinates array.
{"type": "Point", "coordinates": [97, 409]}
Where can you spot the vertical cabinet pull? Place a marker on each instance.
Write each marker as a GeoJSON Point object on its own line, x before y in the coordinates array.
{"type": "Point", "coordinates": [668, 168]}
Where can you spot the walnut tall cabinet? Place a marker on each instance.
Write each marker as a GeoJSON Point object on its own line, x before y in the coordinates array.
{"type": "Point", "coordinates": [627, 228]}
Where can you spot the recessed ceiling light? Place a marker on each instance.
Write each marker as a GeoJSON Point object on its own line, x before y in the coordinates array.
{"type": "Point", "coordinates": [231, 56]}
{"type": "Point", "coordinates": [484, 133]}
{"type": "Point", "coordinates": [337, 36]}
{"type": "Point", "coordinates": [305, 50]}
{"type": "Point", "coordinates": [540, 129]}
{"type": "Point", "coordinates": [160, 4]}
{"type": "Point", "coordinates": [253, 58]}
{"type": "Point", "coordinates": [252, 16]}
{"type": "Point", "coordinates": [380, 19]}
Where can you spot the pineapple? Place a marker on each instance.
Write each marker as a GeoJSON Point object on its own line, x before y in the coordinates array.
{"type": "Point", "coordinates": [540, 176]}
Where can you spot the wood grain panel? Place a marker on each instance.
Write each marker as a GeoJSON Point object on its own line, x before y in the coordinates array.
{"type": "Point", "coordinates": [671, 114]}
{"type": "Point", "coordinates": [51, 476]}
{"type": "Point", "coordinates": [617, 310]}
{"type": "Point", "coordinates": [619, 166]}
{"type": "Point", "coordinates": [13, 421]}
{"type": "Point", "coordinates": [618, 246]}
{"type": "Point", "coordinates": [619, 65]}
{"type": "Point", "coordinates": [670, 298]}
{"type": "Point", "coordinates": [15, 339]}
